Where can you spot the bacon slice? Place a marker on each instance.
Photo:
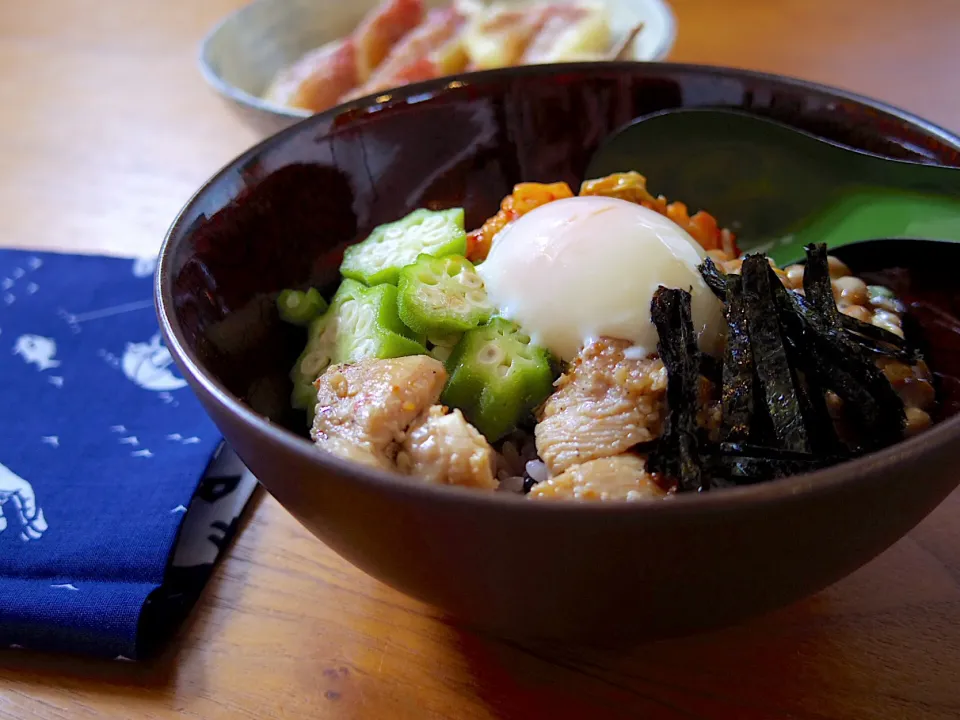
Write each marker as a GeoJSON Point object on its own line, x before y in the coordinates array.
{"type": "Point", "coordinates": [500, 36]}
{"type": "Point", "coordinates": [569, 31]}
{"type": "Point", "coordinates": [396, 44]}
{"type": "Point", "coordinates": [432, 49]}
{"type": "Point", "coordinates": [381, 29]}
{"type": "Point", "coordinates": [318, 79]}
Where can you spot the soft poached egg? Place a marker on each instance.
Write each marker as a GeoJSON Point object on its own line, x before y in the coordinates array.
{"type": "Point", "coordinates": [581, 268]}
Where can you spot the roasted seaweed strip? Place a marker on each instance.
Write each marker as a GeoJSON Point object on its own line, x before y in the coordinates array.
{"type": "Point", "coordinates": [737, 391]}
{"type": "Point", "coordinates": [819, 291]}
{"type": "Point", "coordinates": [747, 470]}
{"type": "Point", "coordinates": [784, 352]}
{"type": "Point", "coordinates": [677, 454]}
{"type": "Point", "coordinates": [816, 282]}
{"type": "Point", "coordinates": [813, 402]}
{"type": "Point", "coordinates": [711, 368]}
{"type": "Point", "coordinates": [770, 356]}
{"type": "Point", "coordinates": [843, 366]}
{"type": "Point", "coordinates": [875, 338]}
{"type": "Point", "coordinates": [715, 278]}
{"type": "Point", "coordinates": [761, 451]}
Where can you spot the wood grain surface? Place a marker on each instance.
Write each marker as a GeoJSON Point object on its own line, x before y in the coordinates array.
{"type": "Point", "coordinates": [106, 129]}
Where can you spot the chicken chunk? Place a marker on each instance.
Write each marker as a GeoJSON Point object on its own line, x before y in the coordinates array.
{"type": "Point", "coordinates": [623, 477]}
{"type": "Point", "coordinates": [605, 404]}
{"type": "Point", "coordinates": [364, 409]}
{"type": "Point", "coordinates": [446, 449]}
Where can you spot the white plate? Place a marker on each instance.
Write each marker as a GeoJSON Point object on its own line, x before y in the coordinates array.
{"type": "Point", "coordinates": [241, 55]}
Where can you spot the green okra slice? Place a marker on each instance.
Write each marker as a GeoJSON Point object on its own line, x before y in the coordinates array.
{"type": "Point", "coordinates": [392, 246]}
{"type": "Point", "coordinates": [497, 376]}
{"type": "Point", "coordinates": [315, 358]}
{"type": "Point", "coordinates": [362, 322]}
{"type": "Point", "coordinates": [300, 308]}
{"type": "Point", "coordinates": [442, 296]}
{"type": "Point", "coordinates": [368, 325]}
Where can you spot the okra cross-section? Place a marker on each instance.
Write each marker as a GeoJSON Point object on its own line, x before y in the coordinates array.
{"type": "Point", "coordinates": [362, 322]}
{"type": "Point", "coordinates": [442, 295]}
{"type": "Point", "coordinates": [301, 308]}
{"type": "Point", "coordinates": [497, 376]}
{"type": "Point", "coordinates": [390, 247]}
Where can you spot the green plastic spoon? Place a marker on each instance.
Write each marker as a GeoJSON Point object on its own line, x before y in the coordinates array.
{"type": "Point", "coordinates": [780, 188]}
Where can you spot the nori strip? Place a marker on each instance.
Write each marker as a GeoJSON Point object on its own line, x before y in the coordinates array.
{"type": "Point", "coordinates": [645, 447]}
{"type": "Point", "coordinates": [744, 464]}
{"type": "Point", "coordinates": [816, 282]}
{"type": "Point", "coordinates": [813, 401]}
{"type": "Point", "coordinates": [762, 451]}
{"type": "Point", "coordinates": [819, 291]}
{"type": "Point", "coordinates": [714, 277]}
{"type": "Point", "coordinates": [874, 337]}
{"type": "Point", "coordinates": [784, 352]}
{"type": "Point", "coordinates": [857, 399]}
{"type": "Point", "coordinates": [843, 366]}
{"type": "Point", "coordinates": [737, 400]}
{"type": "Point", "coordinates": [746, 470]}
{"type": "Point", "coordinates": [770, 356]}
{"type": "Point", "coordinates": [711, 368]}
{"type": "Point", "coordinates": [678, 455]}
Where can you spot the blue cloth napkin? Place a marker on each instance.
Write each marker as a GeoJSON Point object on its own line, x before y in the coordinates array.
{"type": "Point", "coordinates": [102, 451]}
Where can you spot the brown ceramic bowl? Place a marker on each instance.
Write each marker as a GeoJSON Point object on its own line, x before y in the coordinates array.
{"type": "Point", "coordinates": [281, 214]}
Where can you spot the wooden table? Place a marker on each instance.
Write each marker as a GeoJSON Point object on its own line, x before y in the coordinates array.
{"type": "Point", "coordinates": [106, 129]}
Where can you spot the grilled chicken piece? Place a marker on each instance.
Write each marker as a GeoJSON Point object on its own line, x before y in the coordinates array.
{"type": "Point", "coordinates": [364, 410]}
{"type": "Point", "coordinates": [605, 404]}
{"type": "Point", "coordinates": [446, 449]}
{"type": "Point", "coordinates": [363, 454]}
{"type": "Point", "coordinates": [623, 477]}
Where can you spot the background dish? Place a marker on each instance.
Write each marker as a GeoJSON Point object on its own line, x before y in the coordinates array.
{"type": "Point", "coordinates": [281, 214]}
{"type": "Point", "coordinates": [240, 56]}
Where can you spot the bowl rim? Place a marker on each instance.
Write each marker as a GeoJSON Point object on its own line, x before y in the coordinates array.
{"type": "Point", "coordinates": [831, 480]}
{"type": "Point", "coordinates": [238, 95]}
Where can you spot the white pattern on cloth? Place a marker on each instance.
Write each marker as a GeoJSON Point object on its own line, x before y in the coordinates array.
{"type": "Point", "coordinates": [148, 365]}
{"type": "Point", "coordinates": [37, 350]}
{"type": "Point", "coordinates": [18, 495]}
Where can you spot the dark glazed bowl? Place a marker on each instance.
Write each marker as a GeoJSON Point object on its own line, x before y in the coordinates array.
{"type": "Point", "coordinates": [281, 214]}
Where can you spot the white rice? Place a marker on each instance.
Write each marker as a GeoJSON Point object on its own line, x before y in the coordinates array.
{"type": "Point", "coordinates": [537, 470]}
{"type": "Point", "coordinates": [518, 455]}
